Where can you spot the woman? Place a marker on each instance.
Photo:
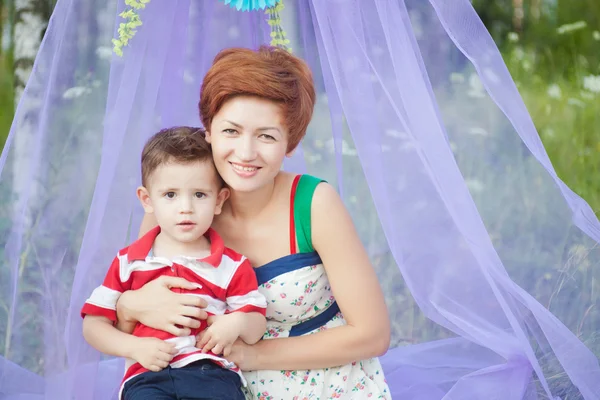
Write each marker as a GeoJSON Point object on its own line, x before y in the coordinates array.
{"type": "Point", "coordinates": [311, 265]}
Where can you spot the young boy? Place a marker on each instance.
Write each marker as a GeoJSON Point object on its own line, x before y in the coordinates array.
{"type": "Point", "coordinates": [181, 186]}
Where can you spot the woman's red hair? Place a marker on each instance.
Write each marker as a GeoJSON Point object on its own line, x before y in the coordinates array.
{"type": "Point", "coordinates": [270, 73]}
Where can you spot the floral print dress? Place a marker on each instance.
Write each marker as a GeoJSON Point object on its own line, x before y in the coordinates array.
{"type": "Point", "coordinates": [300, 302]}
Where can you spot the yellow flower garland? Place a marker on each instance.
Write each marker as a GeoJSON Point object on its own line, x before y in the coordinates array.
{"type": "Point", "coordinates": [128, 29]}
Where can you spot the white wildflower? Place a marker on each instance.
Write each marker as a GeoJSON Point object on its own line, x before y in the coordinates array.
{"type": "Point", "coordinates": [554, 91]}
{"type": "Point", "coordinates": [348, 150]}
{"type": "Point", "coordinates": [75, 92]}
{"type": "Point", "coordinates": [104, 52]}
{"type": "Point", "coordinates": [586, 95]}
{"type": "Point", "coordinates": [519, 54]}
{"type": "Point", "coordinates": [456, 77]}
{"type": "Point", "coordinates": [313, 158]}
{"type": "Point", "coordinates": [475, 87]}
{"type": "Point", "coordinates": [596, 35]}
{"type": "Point", "coordinates": [592, 83]}
{"type": "Point", "coordinates": [567, 28]}
{"type": "Point", "coordinates": [477, 131]}
{"type": "Point", "coordinates": [393, 133]}
{"type": "Point", "coordinates": [513, 37]}
{"type": "Point", "coordinates": [474, 185]}
{"type": "Point", "coordinates": [575, 102]}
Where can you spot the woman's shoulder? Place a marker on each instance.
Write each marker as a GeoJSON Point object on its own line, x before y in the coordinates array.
{"type": "Point", "coordinates": [285, 180]}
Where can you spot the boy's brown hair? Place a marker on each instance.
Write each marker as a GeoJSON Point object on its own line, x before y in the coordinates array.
{"type": "Point", "coordinates": [179, 144]}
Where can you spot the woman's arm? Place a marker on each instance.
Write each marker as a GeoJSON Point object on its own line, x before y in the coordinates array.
{"type": "Point", "coordinates": [367, 333]}
{"type": "Point", "coordinates": [156, 305]}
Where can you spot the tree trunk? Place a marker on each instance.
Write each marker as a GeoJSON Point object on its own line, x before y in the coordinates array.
{"type": "Point", "coordinates": [29, 25]}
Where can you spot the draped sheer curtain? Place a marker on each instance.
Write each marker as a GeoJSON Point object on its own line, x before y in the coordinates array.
{"type": "Point", "coordinates": [488, 261]}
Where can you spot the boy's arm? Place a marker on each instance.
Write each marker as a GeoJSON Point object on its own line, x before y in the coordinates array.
{"type": "Point", "coordinates": [101, 334]}
{"type": "Point", "coordinates": [125, 326]}
{"type": "Point", "coordinates": [254, 325]}
{"type": "Point", "coordinates": [99, 315]}
{"type": "Point", "coordinates": [152, 353]}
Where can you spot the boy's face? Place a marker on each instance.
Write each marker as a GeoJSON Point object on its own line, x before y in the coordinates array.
{"type": "Point", "coordinates": [184, 198]}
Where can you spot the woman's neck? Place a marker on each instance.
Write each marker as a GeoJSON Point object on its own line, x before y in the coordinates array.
{"type": "Point", "coordinates": [251, 204]}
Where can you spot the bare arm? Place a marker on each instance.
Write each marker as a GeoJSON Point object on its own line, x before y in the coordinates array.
{"type": "Point", "coordinates": [255, 325]}
{"type": "Point", "coordinates": [224, 330]}
{"type": "Point", "coordinates": [156, 306]}
{"type": "Point", "coordinates": [367, 333]}
{"type": "Point", "coordinates": [100, 333]}
{"type": "Point", "coordinates": [154, 354]}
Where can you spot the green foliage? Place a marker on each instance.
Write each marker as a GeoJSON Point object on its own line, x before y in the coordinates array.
{"type": "Point", "coordinates": [6, 98]}
{"type": "Point", "coordinates": [127, 30]}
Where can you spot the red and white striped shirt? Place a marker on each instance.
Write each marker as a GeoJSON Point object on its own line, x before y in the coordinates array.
{"type": "Point", "coordinates": [225, 278]}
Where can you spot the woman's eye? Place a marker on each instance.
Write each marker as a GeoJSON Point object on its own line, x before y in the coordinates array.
{"type": "Point", "coordinates": [268, 137]}
{"type": "Point", "coordinates": [230, 131]}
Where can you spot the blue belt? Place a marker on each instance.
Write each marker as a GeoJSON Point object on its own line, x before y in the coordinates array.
{"type": "Point", "coordinates": [315, 322]}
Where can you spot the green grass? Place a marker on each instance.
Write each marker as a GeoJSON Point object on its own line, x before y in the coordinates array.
{"type": "Point", "coordinates": [566, 111]}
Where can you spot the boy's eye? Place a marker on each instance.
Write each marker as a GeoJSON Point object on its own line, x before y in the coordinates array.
{"type": "Point", "coordinates": [200, 195]}
{"type": "Point", "coordinates": [170, 195]}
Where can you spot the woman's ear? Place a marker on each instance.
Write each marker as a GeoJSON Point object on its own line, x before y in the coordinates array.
{"type": "Point", "coordinates": [144, 196]}
{"type": "Point", "coordinates": [290, 153]}
{"type": "Point", "coordinates": [207, 136]}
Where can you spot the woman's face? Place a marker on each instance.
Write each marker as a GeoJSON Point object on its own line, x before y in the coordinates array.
{"type": "Point", "coordinates": [249, 142]}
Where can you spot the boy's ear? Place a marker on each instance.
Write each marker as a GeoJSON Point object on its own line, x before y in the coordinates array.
{"type": "Point", "coordinates": [221, 198]}
{"type": "Point", "coordinates": [144, 196]}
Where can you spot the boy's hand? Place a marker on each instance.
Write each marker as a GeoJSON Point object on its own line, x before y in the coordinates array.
{"type": "Point", "coordinates": [222, 331]}
{"type": "Point", "coordinates": [154, 354]}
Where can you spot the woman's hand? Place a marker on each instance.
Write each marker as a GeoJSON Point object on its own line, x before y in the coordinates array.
{"type": "Point", "coordinates": [157, 306]}
{"type": "Point", "coordinates": [245, 356]}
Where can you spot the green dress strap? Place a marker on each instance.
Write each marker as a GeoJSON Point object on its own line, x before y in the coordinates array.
{"type": "Point", "coordinates": [302, 211]}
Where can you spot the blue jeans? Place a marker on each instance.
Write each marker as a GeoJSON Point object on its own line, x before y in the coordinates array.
{"type": "Point", "coordinates": [201, 380]}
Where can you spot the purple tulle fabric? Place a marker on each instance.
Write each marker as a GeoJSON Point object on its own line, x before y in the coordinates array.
{"type": "Point", "coordinates": [488, 261]}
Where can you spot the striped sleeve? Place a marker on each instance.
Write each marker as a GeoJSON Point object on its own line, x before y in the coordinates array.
{"type": "Point", "coordinates": [242, 292]}
{"type": "Point", "coordinates": [103, 300]}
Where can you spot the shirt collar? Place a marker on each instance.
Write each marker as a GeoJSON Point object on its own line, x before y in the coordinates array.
{"type": "Point", "coordinates": [140, 249]}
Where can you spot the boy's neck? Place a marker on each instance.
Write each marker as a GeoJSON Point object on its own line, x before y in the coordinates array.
{"type": "Point", "coordinates": [167, 247]}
